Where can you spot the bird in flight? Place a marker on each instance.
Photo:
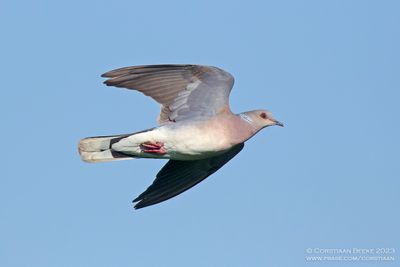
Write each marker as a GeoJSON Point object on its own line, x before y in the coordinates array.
{"type": "Point", "coordinates": [197, 130]}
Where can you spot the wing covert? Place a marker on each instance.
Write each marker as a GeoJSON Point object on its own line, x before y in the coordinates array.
{"type": "Point", "coordinates": [184, 91]}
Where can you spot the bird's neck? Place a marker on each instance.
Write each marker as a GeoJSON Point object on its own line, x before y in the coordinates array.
{"type": "Point", "coordinates": [249, 123]}
{"type": "Point", "coordinates": [247, 126]}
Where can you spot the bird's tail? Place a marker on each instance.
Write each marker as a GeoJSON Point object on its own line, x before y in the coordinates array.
{"type": "Point", "coordinates": [98, 149]}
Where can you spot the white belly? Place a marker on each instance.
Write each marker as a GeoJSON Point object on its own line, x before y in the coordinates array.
{"type": "Point", "coordinates": [183, 143]}
{"type": "Point", "coordinates": [188, 143]}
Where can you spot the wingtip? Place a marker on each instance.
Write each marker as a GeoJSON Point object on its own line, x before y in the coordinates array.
{"type": "Point", "coordinates": [141, 203]}
{"type": "Point", "coordinates": [111, 73]}
{"type": "Point", "coordinates": [105, 75]}
{"type": "Point", "coordinates": [138, 206]}
{"type": "Point", "coordinates": [136, 203]}
{"type": "Point", "coordinates": [108, 82]}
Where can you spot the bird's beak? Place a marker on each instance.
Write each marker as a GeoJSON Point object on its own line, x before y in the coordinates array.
{"type": "Point", "coordinates": [279, 123]}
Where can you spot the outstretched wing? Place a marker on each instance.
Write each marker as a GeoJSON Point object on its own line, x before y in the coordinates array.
{"type": "Point", "coordinates": [184, 91]}
{"type": "Point", "coordinates": [178, 176]}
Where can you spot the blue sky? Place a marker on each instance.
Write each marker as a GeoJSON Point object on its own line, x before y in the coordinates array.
{"type": "Point", "coordinates": [330, 179]}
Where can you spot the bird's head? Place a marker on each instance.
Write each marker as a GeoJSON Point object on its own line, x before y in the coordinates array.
{"type": "Point", "coordinates": [260, 119]}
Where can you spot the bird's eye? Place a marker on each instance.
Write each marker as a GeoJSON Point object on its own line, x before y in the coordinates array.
{"type": "Point", "coordinates": [263, 115]}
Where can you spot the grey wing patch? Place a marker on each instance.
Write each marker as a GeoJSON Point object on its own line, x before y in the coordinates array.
{"type": "Point", "coordinates": [184, 91]}
{"type": "Point", "coordinates": [178, 176]}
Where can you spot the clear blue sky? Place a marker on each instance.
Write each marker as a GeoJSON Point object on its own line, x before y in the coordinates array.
{"type": "Point", "coordinates": [330, 179]}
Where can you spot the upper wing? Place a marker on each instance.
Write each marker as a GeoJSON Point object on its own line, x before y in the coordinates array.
{"type": "Point", "coordinates": [184, 91]}
{"type": "Point", "coordinates": [178, 176]}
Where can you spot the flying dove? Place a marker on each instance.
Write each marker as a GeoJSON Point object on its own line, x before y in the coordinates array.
{"type": "Point", "coordinates": [197, 131]}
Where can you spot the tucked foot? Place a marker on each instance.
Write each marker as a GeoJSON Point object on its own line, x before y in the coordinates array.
{"type": "Point", "coordinates": [156, 148]}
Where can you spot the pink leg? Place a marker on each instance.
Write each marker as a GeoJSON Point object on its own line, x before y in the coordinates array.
{"type": "Point", "coordinates": [156, 148]}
